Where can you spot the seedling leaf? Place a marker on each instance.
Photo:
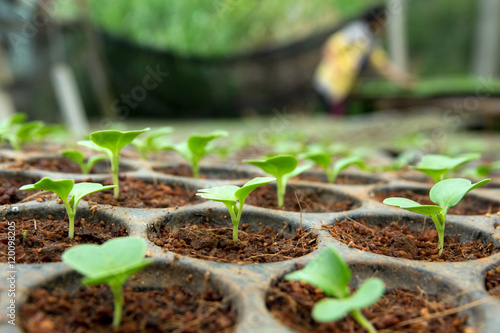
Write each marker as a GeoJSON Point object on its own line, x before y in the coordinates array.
{"type": "Point", "coordinates": [220, 193]}
{"type": "Point", "coordinates": [242, 193]}
{"type": "Point", "coordinates": [276, 165]}
{"type": "Point", "coordinates": [114, 140]}
{"type": "Point", "coordinates": [82, 189]}
{"type": "Point", "coordinates": [60, 187]}
{"type": "Point", "coordinates": [331, 309]}
{"type": "Point", "coordinates": [437, 166]}
{"type": "Point", "coordinates": [328, 271]}
{"type": "Point", "coordinates": [447, 193]}
{"type": "Point", "coordinates": [413, 206]}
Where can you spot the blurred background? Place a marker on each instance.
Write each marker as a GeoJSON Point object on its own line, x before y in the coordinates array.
{"type": "Point", "coordinates": [125, 59]}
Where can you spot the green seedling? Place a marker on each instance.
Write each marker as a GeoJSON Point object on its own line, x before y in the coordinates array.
{"type": "Point", "coordinates": [332, 170]}
{"type": "Point", "coordinates": [113, 263]}
{"type": "Point", "coordinates": [329, 272]}
{"type": "Point", "coordinates": [440, 167]}
{"type": "Point", "coordinates": [233, 197]}
{"type": "Point", "coordinates": [25, 235]}
{"type": "Point", "coordinates": [194, 149]}
{"type": "Point", "coordinates": [283, 168]}
{"type": "Point", "coordinates": [111, 142]}
{"type": "Point", "coordinates": [77, 157]}
{"type": "Point", "coordinates": [151, 141]}
{"type": "Point", "coordinates": [69, 192]}
{"type": "Point", "coordinates": [482, 170]}
{"type": "Point", "coordinates": [446, 194]}
{"type": "Point", "coordinates": [19, 134]}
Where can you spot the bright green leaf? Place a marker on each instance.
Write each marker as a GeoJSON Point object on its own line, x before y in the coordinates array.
{"type": "Point", "coordinates": [413, 206]}
{"type": "Point", "coordinates": [447, 193]}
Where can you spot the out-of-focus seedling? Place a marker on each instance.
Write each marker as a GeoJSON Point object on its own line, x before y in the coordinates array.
{"type": "Point", "coordinates": [329, 272]}
{"type": "Point", "coordinates": [233, 197]}
{"type": "Point", "coordinates": [69, 193]}
{"type": "Point", "coordinates": [332, 170]}
{"type": "Point", "coordinates": [194, 149]}
{"type": "Point", "coordinates": [77, 157]}
{"type": "Point", "coordinates": [282, 167]}
{"type": "Point", "coordinates": [111, 142]}
{"type": "Point", "coordinates": [440, 167]}
{"type": "Point", "coordinates": [151, 141]}
{"type": "Point", "coordinates": [113, 263]}
{"type": "Point", "coordinates": [446, 194]}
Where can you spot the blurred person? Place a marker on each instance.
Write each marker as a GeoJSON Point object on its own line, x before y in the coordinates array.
{"type": "Point", "coordinates": [347, 54]}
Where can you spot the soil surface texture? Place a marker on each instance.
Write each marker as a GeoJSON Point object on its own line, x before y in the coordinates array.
{"type": "Point", "coordinates": [90, 309]}
{"type": "Point", "coordinates": [399, 241]}
{"type": "Point", "coordinates": [184, 170]}
{"type": "Point", "coordinates": [492, 282]}
{"type": "Point", "coordinates": [48, 164]}
{"type": "Point", "coordinates": [48, 239]}
{"type": "Point", "coordinates": [311, 200]}
{"type": "Point", "coordinates": [9, 190]}
{"type": "Point", "coordinates": [399, 310]}
{"type": "Point", "coordinates": [136, 193]}
{"type": "Point", "coordinates": [214, 243]}
{"type": "Point", "coordinates": [464, 207]}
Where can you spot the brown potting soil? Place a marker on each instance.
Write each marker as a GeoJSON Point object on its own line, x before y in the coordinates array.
{"type": "Point", "coordinates": [399, 241]}
{"type": "Point", "coordinates": [90, 309]}
{"type": "Point", "coordinates": [462, 208]}
{"type": "Point", "coordinates": [492, 281]}
{"type": "Point", "coordinates": [136, 193]}
{"type": "Point", "coordinates": [48, 164]}
{"type": "Point", "coordinates": [399, 310]}
{"type": "Point", "coordinates": [184, 170]}
{"type": "Point", "coordinates": [9, 190]}
{"type": "Point", "coordinates": [216, 244]}
{"type": "Point", "coordinates": [47, 241]}
{"type": "Point", "coordinates": [310, 200]}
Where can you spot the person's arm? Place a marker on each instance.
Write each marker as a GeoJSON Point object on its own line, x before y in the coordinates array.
{"type": "Point", "coordinates": [381, 63]}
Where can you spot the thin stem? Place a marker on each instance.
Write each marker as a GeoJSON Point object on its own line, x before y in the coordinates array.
{"type": "Point", "coordinates": [117, 291]}
{"type": "Point", "coordinates": [439, 222]}
{"type": "Point", "coordinates": [71, 217]}
{"type": "Point", "coordinates": [235, 220]}
{"type": "Point", "coordinates": [115, 163]}
{"type": "Point", "coordinates": [358, 316]}
{"type": "Point", "coordinates": [196, 168]}
{"type": "Point", "coordinates": [281, 188]}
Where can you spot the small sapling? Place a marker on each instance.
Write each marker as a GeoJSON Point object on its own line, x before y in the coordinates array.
{"type": "Point", "coordinates": [113, 263]}
{"type": "Point", "coordinates": [332, 170]}
{"type": "Point", "coordinates": [69, 193]}
{"type": "Point", "coordinates": [233, 197]}
{"type": "Point", "coordinates": [440, 167]}
{"type": "Point", "coordinates": [150, 141]}
{"type": "Point", "coordinates": [194, 149]}
{"type": "Point", "coordinates": [111, 142]}
{"type": "Point", "coordinates": [446, 194]}
{"type": "Point", "coordinates": [77, 157]}
{"type": "Point", "coordinates": [329, 272]}
{"type": "Point", "coordinates": [283, 167]}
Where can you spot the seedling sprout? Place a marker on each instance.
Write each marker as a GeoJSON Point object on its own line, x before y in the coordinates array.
{"type": "Point", "coordinates": [282, 167]}
{"type": "Point", "coordinates": [324, 160]}
{"type": "Point", "coordinates": [69, 192]}
{"type": "Point", "coordinates": [194, 149]}
{"type": "Point", "coordinates": [233, 197]}
{"type": "Point", "coordinates": [77, 157]}
{"type": "Point", "coordinates": [113, 263]}
{"type": "Point", "coordinates": [329, 272]}
{"type": "Point", "coordinates": [150, 141]}
{"type": "Point", "coordinates": [440, 167]}
{"type": "Point", "coordinates": [111, 142]}
{"type": "Point", "coordinates": [446, 194]}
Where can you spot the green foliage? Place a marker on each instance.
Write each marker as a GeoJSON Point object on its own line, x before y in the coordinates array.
{"type": "Point", "coordinates": [440, 167]}
{"type": "Point", "coordinates": [111, 142]}
{"type": "Point", "coordinates": [482, 170]}
{"type": "Point", "coordinates": [324, 160]}
{"type": "Point", "coordinates": [113, 263]}
{"type": "Point", "coordinates": [446, 194]}
{"type": "Point", "coordinates": [329, 272]}
{"type": "Point", "coordinates": [77, 157]}
{"type": "Point", "coordinates": [195, 148]}
{"type": "Point", "coordinates": [18, 132]}
{"type": "Point", "coordinates": [151, 141]}
{"type": "Point", "coordinates": [282, 167]}
{"type": "Point", "coordinates": [69, 193]}
{"type": "Point", "coordinates": [233, 197]}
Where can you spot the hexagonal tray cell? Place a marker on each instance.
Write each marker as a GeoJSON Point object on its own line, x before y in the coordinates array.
{"type": "Point", "coordinates": [414, 301]}
{"type": "Point", "coordinates": [313, 199]}
{"type": "Point", "coordinates": [471, 204]}
{"type": "Point", "coordinates": [224, 171]}
{"type": "Point", "coordinates": [414, 237]}
{"type": "Point", "coordinates": [40, 231]}
{"type": "Point", "coordinates": [206, 233]}
{"type": "Point", "coordinates": [345, 178]}
{"type": "Point", "coordinates": [164, 297]}
{"type": "Point", "coordinates": [147, 192]}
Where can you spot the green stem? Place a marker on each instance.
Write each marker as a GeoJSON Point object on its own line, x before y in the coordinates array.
{"type": "Point", "coordinates": [71, 217]}
{"type": "Point", "coordinates": [235, 220]}
{"type": "Point", "coordinates": [331, 175]}
{"type": "Point", "coordinates": [439, 222]}
{"type": "Point", "coordinates": [281, 188]}
{"type": "Point", "coordinates": [117, 291]}
{"type": "Point", "coordinates": [358, 316]}
{"type": "Point", "coordinates": [196, 168]}
{"type": "Point", "coordinates": [115, 163]}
